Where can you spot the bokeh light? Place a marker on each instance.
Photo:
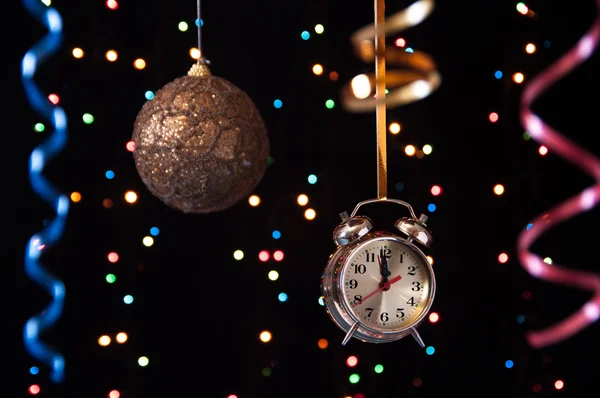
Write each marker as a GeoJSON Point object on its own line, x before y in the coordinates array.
{"type": "Point", "coordinates": [434, 317]}
{"type": "Point", "coordinates": [278, 255]}
{"type": "Point", "coordinates": [278, 103]}
{"type": "Point", "coordinates": [352, 361]}
{"type": "Point", "coordinates": [354, 378]}
{"type": "Point", "coordinates": [530, 48]}
{"type": "Point", "coordinates": [39, 127]}
{"type": "Point", "coordinates": [282, 297]}
{"type": "Point", "coordinates": [498, 189]}
{"type": "Point", "coordinates": [400, 42]}
{"type": "Point", "coordinates": [430, 259]}
{"type": "Point", "coordinates": [87, 118]}
{"type": "Point", "coordinates": [130, 197]}
{"type": "Point", "coordinates": [112, 4]}
{"type": "Point", "coordinates": [194, 53]}
{"type": "Point", "coordinates": [502, 258]}
{"type": "Point", "coordinates": [34, 389]}
{"type": "Point", "coordinates": [334, 76]}
{"type": "Point", "coordinates": [522, 8]}
{"type": "Point", "coordinates": [317, 69]}
{"type": "Point", "coordinates": [149, 95]}
{"type": "Point", "coordinates": [378, 368]}
{"type": "Point", "coordinates": [111, 278]}
{"type": "Point", "coordinates": [77, 53]}
{"type": "Point", "coordinates": [113, 257]}
{"type": "Point", "coordinates": [305, 35]}
{"type": "Point", "coordinates": [427, 149]}
{"type": "Point", "coordinates": [310, 214]}
{"type": "Point", "coordinates": [273, 275]}
{"type": "Point", "coordinates": [143, 361]}
{"type": "Point", "coordinates": [302, 200]}
{"type": "Point", "coordinates": [114, 394]}
{"type": "Point", "coordinates": [34, 370]}
{"type": "Point", "coordinates": [559, 384]}
{"type": "Point", "coordinates": [329, 104]}
{"type": "Point", "coordinates": [276, 234]}
{"type": "Point", "coordinates": [104, 340]}
{"type": "Point", "coordinates": [107, 203]}
{"type": "Point", "coordinates": [154, 231]}
{"type": "Point", "coordinates": [112, 55]}
{"type": "Point", "coordinates": [509, 364]}
{"type": "Point", "coordinates": [431, 207]}
{"type": "Point", "coordinates": [121, 337]}
{"type": "Point", "coordinates": [312, 179]}
{"type": "Point", "coordinates": [265, 336]}
{"type": "Point", "coordinates": [75, 197]}
{"type": "Point", "coordinates": [130, 146]}
{"type": "Point", "coordinates": [53, 98]}
{"type": "Point", "coordinates": [264, 256]}
{"type": "Point", "coordinates": [518, 77]}
{"type": "Point", "coordinates": [493, 117]}
{"type": "Point", "coordinates": [323, 343]}
{"type": "Point", "coordinates": [394, 128]}
{"type": "Point", "coordinates": [410, 150]}
{"type": "Point", "coordinates": [109, 174]}
{"type": "Point", "coordinates": [148, 241]}
{"type": "Point", "coordinates": [319, 29]}
{"type": "Point", "coordinates": [417, 382]}
{"type": "Point", "coordinates": [238, 254]}
{"type": "Point", "coordinates": [543, 150]}
{"type": "Point", "coordinates": [254, 200]}
{"type": "Point", "coordinates": [139, 64]}
{"type": "Point", "coordinates": [436, 190]}
{"type": "Point", "coordinates": [430, 350]}
{"type": "Point", "coordinates": [128, 299]}
{"type": "Point", "coordinates": [498, 74]}
{"type": "Point", "coordinates": [183, 26]}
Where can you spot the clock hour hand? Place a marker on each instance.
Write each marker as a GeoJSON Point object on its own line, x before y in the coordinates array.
{"type": "Point", "coordinates": [385, 272]}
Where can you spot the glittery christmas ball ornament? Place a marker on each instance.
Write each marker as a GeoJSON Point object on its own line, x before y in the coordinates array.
{"type": "Point", "coordinates": [200, 144]}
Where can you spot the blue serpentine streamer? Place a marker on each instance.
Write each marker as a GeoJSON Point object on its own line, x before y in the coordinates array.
{"type": "Point", "coordinates": [53, 231]}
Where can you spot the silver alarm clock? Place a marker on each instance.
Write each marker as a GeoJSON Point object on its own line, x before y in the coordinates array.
{"type": "Point", "coordinates": [377, 286]}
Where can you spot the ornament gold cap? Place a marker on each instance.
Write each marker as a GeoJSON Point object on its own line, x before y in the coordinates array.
{"type": "Point", "coordinates": [199, 69]}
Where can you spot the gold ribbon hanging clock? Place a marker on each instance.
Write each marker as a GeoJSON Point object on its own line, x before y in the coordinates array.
{"type": "Point", "coordinates": [378, 286]}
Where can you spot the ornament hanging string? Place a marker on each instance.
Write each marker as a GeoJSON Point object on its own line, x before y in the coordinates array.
{"type": "Point", "coordinates": [199, 24]}
{"type": "Point", "coordinates": [38, 159]}
{"type": "Point", "coordinates": [580, 203]}
{"type": "Point", "coordinates": [415, 74]}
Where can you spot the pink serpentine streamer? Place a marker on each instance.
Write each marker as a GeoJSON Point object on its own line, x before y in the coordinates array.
{"type": "Point", "coordinates": [571, 207]}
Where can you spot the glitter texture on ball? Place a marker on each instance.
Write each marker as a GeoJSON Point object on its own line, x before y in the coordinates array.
{"type": "Point", "coordinates": [200, 144]}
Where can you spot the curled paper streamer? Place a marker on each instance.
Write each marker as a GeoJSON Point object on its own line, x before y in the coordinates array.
{"type": "Point", "coordinates": [415, 75]}
{"type": "Point", "coordinates": [571, 207]}
{"type": "Point", "coordinates": [38, 159]}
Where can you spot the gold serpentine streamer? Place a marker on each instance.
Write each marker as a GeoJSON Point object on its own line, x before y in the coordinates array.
{"type": "Point", "coordinates": [416, 80]}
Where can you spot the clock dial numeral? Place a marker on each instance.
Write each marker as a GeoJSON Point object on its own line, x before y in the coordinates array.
{"type": "Point", "coordinates": [400, 304]}
{"type": "Point", "coordinates": [359, 268]}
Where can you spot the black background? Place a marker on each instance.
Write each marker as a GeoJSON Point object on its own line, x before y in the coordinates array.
{"type": "Point", "coordinates": [197, 312]}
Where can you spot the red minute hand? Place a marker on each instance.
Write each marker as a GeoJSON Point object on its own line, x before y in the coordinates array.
{"type": "Point", "coordinates": [386, 286]}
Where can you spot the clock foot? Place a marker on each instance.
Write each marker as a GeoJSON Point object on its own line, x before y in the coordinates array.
{"type": "Point", "coordinates": [350, 333]}
{"type": "Point", "coordinates": [417, 337]}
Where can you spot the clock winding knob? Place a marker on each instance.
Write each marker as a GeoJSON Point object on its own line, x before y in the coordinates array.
{"type": "Point", "coordinates": [351, 229]}
{"type": "Point", "coordinates": [415, 229]}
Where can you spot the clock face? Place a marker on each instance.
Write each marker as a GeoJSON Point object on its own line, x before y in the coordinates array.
{"type": "Point", "coordinates": [387, 284]}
